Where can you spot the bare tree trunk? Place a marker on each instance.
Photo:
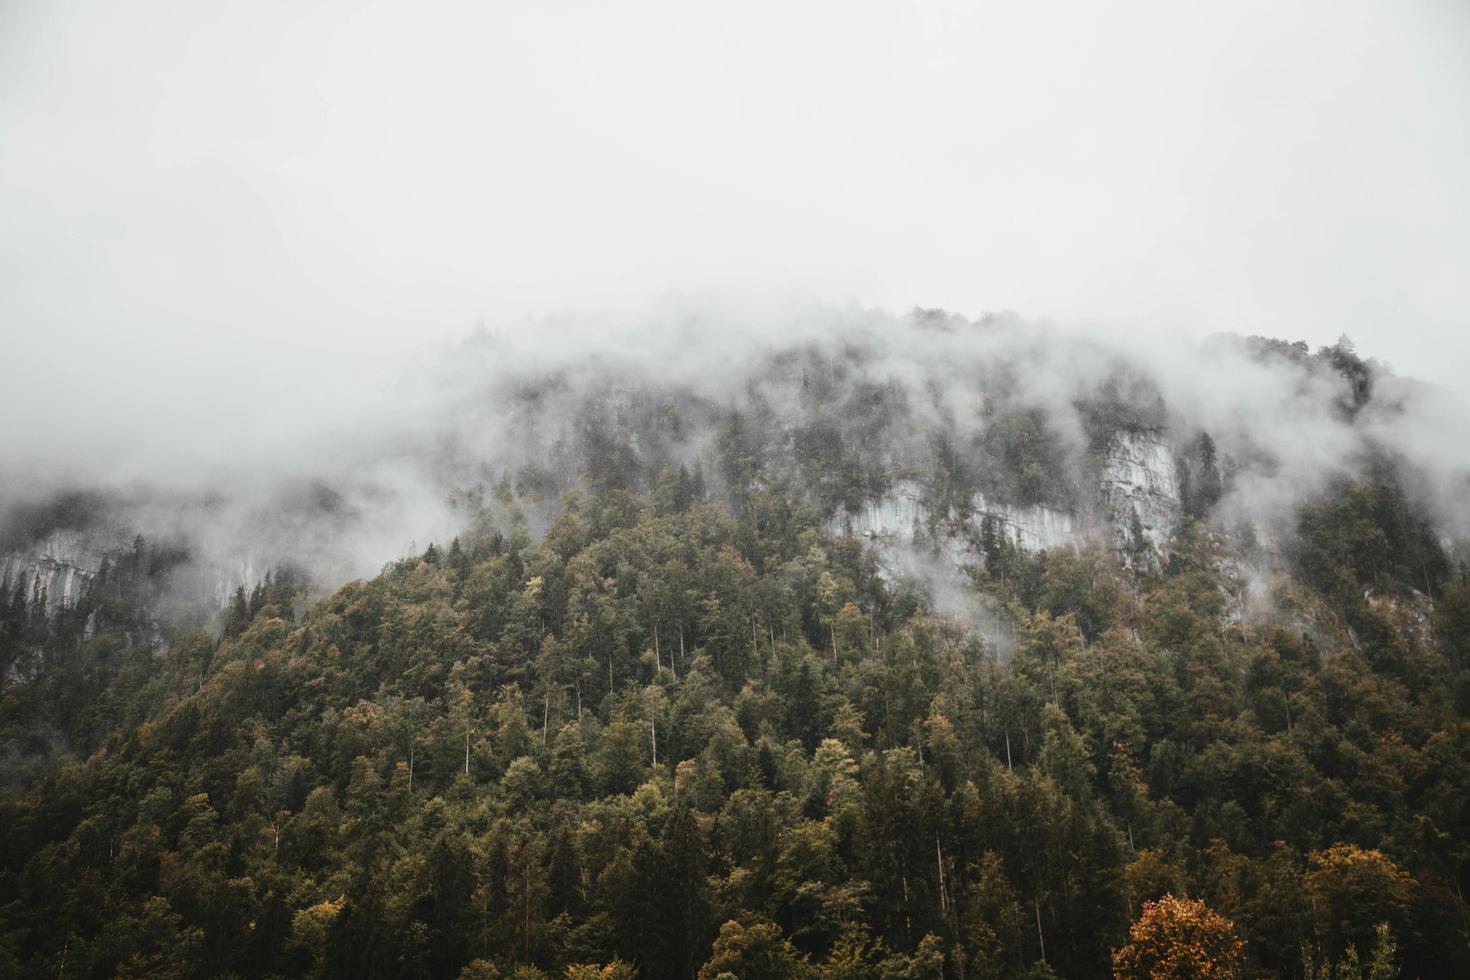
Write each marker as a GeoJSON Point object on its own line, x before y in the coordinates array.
{"type": "Point", "coordinates": [1039, 934]}
{"type": "Point", "coordinates": [939, 861]}
{"type": "Point", "coordinates": [1008, 751]}
{"type": "Point", "coordinates": [466, 751]}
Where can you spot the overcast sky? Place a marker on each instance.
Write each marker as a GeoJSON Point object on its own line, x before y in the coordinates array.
{"type": "Point", "coordinates": [205, 205]}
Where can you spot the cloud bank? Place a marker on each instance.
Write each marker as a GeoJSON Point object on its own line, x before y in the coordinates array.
{"type": "Point", "coordinates": [538, 406]}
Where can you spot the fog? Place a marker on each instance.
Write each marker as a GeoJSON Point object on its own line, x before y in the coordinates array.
{"type": "Point", "coordinates": [251, 249]}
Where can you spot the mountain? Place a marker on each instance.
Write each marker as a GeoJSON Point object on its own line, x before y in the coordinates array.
{"type": "Point", "coordinates": [867, 646]}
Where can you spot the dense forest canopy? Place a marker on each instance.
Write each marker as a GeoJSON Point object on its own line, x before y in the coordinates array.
{"type": "Point", "coordinates": [651, 712]}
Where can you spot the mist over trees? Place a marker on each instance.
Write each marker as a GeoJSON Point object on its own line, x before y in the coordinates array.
{"type": "Point", "coordinates": [652, 712]}
{"type": "Point", "coordinates": [846, 403]}
{"type": "Point", "coordinates": [473, 504]}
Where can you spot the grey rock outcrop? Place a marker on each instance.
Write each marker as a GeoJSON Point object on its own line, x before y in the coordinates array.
{"type": "Point", "coordinates": [1139, 475]}
{"type": "Point", "coordinates": [63, 563]}
{"type": "Point", "coordinates": [1136, 475]}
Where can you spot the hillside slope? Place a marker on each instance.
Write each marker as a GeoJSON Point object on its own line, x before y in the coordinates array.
{"type": "Point", "coordinates": [936, 649]}
{"type": "Point", "coordinates": [691, 741]}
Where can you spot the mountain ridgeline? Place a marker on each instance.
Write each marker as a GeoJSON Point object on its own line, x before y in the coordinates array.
{"type": "Point", "coordinates": [922, 648]}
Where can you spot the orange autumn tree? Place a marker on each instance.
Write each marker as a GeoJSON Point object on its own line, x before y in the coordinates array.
{"type": "Point", "coordinates": [1179, 938]}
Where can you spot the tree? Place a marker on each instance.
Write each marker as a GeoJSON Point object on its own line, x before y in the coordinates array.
{"type": "Point", "coordinates": [1208, 489]}
{"type": "Point", "coordinates": [754, 950]}
{"type": "Point", "coordinates": [850, 630]}
{"type": "Point", "coordinates": [1382, 961]}
{"type": "Point", "coordinates": [1180, 939]}
{"type": "Point", "coordinates": [237, 616]}
{"type": "Point", "coordinates": [616, 970]}
{"type": "Point", "coordinates": [925, 803]}
{"type": "Point", "coordinates": [1452, 623]}
{"type": "Point", "coordinates": [623, 760]}
{"type": "Point", "coordinates": [831, 598]}
{"type": "Point", "coordinates": [1352, 890]}
{"type": "Point", "coordinates": [479, 969]}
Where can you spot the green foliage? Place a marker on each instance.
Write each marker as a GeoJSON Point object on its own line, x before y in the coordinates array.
{"type": "Point", "coordinates": [672, 741]}
{"type": "Point", "coordinates": [1365, 533]}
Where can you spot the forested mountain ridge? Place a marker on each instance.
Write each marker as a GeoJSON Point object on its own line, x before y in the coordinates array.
{"type": "Point", "coordinates": [658, 711]}
{"type": "Point", "coordinates": [1044, 428]}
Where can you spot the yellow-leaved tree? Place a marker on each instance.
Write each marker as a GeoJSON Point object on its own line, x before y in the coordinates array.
{"type": "Point", "coordinates": [1180, 938]}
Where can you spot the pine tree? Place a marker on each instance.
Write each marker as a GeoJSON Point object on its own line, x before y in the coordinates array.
{"type": "Point", "coordinates": [1210, 486]}
{"type": "Point", "coordinates": [1138, 548]}
{"type": "Point", "coordinates": [237, 617]}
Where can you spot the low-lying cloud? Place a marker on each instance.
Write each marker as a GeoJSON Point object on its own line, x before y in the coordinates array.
{"type": "Point", "coordinates": [396, 460]}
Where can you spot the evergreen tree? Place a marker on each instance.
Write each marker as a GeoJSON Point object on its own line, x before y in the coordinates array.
{"type": "Point", "coordinates": [1210, 486]}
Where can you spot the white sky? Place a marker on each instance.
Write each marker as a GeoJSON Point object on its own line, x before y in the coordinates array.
{"type": "Point", "coordinates": [208, 205]}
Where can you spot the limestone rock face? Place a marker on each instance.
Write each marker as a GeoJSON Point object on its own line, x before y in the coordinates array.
{"type": "Point", "coordinates": [896, 521]}
{"type": "Point", "coordinates": [224, 577]}
{"type": "Point", "coordinates": [62, 581]}
{"type": "Point", "coordinates": [64, 563]}
{"type": "Point", "coordinates": [897, 513]}
{"type": "Point", "coordinates": [1136, 475]}
{"type": "Point", "coordinates": [891, 515]}
{"type": "Point", "coordinates": [1034, 528]}
{"type": "Point", "coordinates": [1139, 475]}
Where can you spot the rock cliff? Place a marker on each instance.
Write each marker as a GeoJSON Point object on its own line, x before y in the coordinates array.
{"type": "Point", "coordinates": [1139, 475]}
{"type": "Point", "coordinates": [63, 563]}
{"type": "Point", "coordinates": [1136, 474]}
